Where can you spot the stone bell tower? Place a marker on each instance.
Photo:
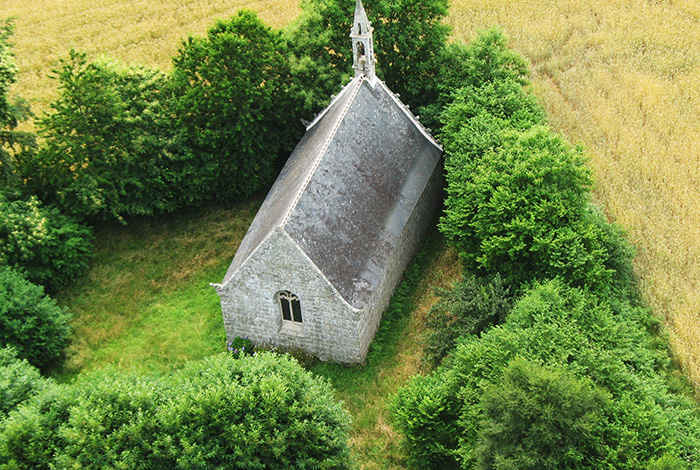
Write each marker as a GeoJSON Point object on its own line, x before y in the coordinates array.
{"type": "Point", "coordinates": [362, 44]}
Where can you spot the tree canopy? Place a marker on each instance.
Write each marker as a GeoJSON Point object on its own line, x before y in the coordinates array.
{"type": "Point", "coordinates": [262, 411]}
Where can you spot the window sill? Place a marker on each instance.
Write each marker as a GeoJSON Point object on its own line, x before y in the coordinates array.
{"type": "Point", "coordinates": [292, 328]}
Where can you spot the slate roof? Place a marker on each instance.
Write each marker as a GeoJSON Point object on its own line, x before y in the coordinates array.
{"type": "Point", "coordinates": [349, 187]}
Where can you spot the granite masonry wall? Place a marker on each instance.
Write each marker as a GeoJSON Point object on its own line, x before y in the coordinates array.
{"type": "Point", "coordinates": [409, 242]}
{"type": "Point", "coordinates": [329, 329]}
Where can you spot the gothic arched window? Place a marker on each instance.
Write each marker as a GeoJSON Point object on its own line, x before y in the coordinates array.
{"type": "Point", "coordinates": [291, 308]}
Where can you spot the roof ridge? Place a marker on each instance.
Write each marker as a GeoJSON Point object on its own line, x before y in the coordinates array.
{"type": "Point", "coordinates": [416, 121]}
{"type": "Point", "coordinates": [322, 152]}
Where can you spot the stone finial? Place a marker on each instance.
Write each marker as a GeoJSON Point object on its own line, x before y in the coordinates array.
{"type": "Point", "coordinates": [362, 43]}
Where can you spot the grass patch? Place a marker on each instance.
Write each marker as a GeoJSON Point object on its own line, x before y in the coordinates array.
{"type": "Point", "coordinates": [395, 356]}
{"type": "Point", "coordinates": [146, 303]}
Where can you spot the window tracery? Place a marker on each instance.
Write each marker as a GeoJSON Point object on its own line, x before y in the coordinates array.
{"type": "Point", "coordinates": [290, 306]}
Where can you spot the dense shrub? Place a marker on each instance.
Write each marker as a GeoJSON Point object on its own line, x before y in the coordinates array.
{"type": "Point", "coordinates": [30, 321]}
{"type": "Point", "coordinates": [477, 119]}
{"type": "Point", "coordinates": [19, 381]}
{"type": "Point", "coordinates": [261, 411]}
{"type": "Point", "coordinates": [488, 59]}
{"type": "Point", "coordinates": [484, 62]}
{"type": "Point", "coordinates": [107, 141]}
{"type": "Point", "coordinates": [235, 106]}
{"type": "Point", "coordinates": [470, 307]}
{"type": "Point", "coordinates": [540, 418]}
{"type": "Point", "coordinates": [522, 213]}
{"type": "Point", "coordinates": [559, 327]}
{"type": "Point", "coordinates": [51, 249]}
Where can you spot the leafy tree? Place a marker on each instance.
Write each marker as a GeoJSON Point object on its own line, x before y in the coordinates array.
{"type": "Point", "coordinates": [560, 328]}
{"type": "Point", "coordinates": [320, 54]}
{"type": "Point", "coordinates": [235, 105]}
{"type": "Point", "coordinates": [19, 381]}
{"type": "Point", "coordinates": [540, 418]}
{"type": "Point", "coordinates": [427, 413]}
{"type": "Point", "coordinates": [470, 307]}
{"type": "Point", "coordinates": [409, 37]}
{"type": "Point", "coordinates": [262, 411]}
{"type": "Point", "coordinates": [522, 212]}
{"type": "Point", "coordinates": [483, 66]}
{"type": "Point", "coordinates": [30, 321]}
{"type": "Point", "coordinates": [478, 117]}
{"type": "Point", "coordinates": [107, 141]}
{"type": "Point", "coordinates": [51, 249]}
{"type": "Point", "coordinates": [13, 143]}
{"type": "Point", "coordinates": [488, 59]}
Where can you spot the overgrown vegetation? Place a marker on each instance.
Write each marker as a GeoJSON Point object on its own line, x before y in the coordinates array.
{"type": "Point", "coordinates": [30, 321]}
{"type": "Point", "coordinates": [255, 412]}
{"type": "Point", "coordinates": [19, 381]}
{"type": "Point", "coordinates": [574, 376]}
{"type": "Point", "coordinates": [125, 140]}
{"type": "Point", "coordinates": [49, 248]}
{"type": "Point", "coordinates": [107, 144]}
{"type": "Point", "coordinates": [467, 308]}
{"type": "Point", "coordinates": [445, 416]}
{"type": "Point", "coordinates": [237, 106]}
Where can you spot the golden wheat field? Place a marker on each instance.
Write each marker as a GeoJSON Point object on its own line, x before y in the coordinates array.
{"type": "Point", "coordinates": [146, 32]}
{"type": "Point", "coordinates": [621, 77]}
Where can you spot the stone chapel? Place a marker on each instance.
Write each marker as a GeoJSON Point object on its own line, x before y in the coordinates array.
{"type": "Point", "coordinates": [348, 211]}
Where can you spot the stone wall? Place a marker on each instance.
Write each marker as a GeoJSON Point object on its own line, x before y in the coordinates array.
{"type": "Point", "coordinates": [250, 307]}
{"type": "Point", "coordinates": [409, 242]}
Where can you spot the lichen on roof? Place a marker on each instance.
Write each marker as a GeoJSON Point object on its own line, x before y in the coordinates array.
{"type": "Point", "coordinates": [349, 188]}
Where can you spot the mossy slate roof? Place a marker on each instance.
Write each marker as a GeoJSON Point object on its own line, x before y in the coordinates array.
{"type": "Point", "coordinates": [349, 187]}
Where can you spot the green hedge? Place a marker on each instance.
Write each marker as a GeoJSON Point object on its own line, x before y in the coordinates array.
{"type": "Point", "coordinates": [262, 411]}
{"type": "Point", "coordinates": [448, 418]}
{"type": "Point", "coordinates": [30, 321]}
{"type": "Point", "coordinates": [50, 248]}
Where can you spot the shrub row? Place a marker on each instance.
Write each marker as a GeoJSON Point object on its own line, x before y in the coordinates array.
{"type": "Point", "coordinates": [126, 140]}
{"type": "Point", "coordinates": [263, 411]}
{"type": "Point", "coordinates": [516, 397]}
{"type": "Point", "coordinates": [518, 195]}
{"type": "Point", "coordinates": [574, 374]}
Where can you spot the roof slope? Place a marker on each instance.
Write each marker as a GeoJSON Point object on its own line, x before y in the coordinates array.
{"type": "Point", "coordinates": [349, 187]}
